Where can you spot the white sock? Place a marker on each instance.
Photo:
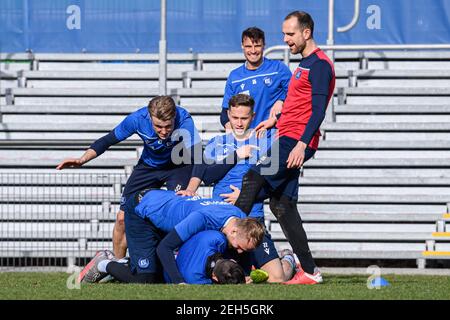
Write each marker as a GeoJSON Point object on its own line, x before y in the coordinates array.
{"type": "Point", "coordinates": [290, 258]}
{"type": "Point", "coordinates": [123, 260]}
{"type": "Point", "coordinates": [101, 267]}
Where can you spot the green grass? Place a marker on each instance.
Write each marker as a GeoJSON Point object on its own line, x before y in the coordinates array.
{"type": "Point", "coordinates": [53, 286]}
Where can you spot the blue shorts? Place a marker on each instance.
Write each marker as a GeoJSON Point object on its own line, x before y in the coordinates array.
{"type": "Point", "coordinates": [142, 240]}
{"type": "Point", "coordinates": [143, 177]}
{"type": "Point", "coordinates": [265, 252]}
{"type": "Point", "coordinates": [281, 180]}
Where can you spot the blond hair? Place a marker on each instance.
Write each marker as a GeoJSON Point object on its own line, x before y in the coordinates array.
{"type": "Point", "coordinates": [252, 229]}
{"type": "Point", "coordinates": [162, 108]}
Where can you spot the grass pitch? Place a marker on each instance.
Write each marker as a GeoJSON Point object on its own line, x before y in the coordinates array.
{"type": "Point", "coordinates": [54, 286]}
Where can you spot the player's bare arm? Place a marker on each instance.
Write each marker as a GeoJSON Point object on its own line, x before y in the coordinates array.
{"type": "Point", "coordinates": [77, 162]}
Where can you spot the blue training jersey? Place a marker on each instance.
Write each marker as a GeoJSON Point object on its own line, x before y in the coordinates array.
{"type": "Point", "coordinates": [157, 152]}
{"type": "Point", "coordinates": [193, 255]}
{"type": "Point", "coordinates": [265, 85]}
{"type": "Point", "coordinates": [187, 215]}
{"type": "Point", "coordinates": [220, 147]}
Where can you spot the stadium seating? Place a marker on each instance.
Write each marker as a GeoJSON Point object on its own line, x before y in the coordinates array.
{"type": "Point", "coordinates": [378, 188]}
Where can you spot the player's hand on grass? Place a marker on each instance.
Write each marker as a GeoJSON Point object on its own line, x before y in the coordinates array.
{"type": "Point", "coordinates": [186, 193]}
{"type": "Point", "coordinates": [233, 196]}
{"type": "Point", "coordinates": [297, 156]}
{"type": "Point", "coordinates": [248, 280]}
{"type": "Point", "coordinates": [70, 163]}
{"type": "Point", "coordinates": [245, 151]}
{"type": "Point", "coordinates": [265, 125]}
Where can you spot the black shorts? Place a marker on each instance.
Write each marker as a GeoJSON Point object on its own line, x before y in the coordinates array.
{"type": "Point", "coordinates": [144, 177]}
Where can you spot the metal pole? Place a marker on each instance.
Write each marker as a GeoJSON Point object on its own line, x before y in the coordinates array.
{"type": "Point", "coordinates": [330, 116]}
{"type": "Point", "coordinates": [330, 39]}
{"type": "Point", "coordinates": [163, 51]}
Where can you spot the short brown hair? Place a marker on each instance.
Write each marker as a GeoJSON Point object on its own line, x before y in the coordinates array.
{"type": "Point", "coordinates": [162, 108]}
{"type": "Point", "coordinates": [304, 20]}
{"type": "Point", "coordinates": [241, 99]}
{"type": "Point", "coordinates": [252, 229]}
{"type": "Point", "coordinates": [255, 34]}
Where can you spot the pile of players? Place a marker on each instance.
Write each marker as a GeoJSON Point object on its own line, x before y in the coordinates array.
{"type": "Point", "coordinates": [272, 119]}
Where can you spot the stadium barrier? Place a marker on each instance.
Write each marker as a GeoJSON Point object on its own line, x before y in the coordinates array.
{"type": "Point", "coordinates": [56, 219]}
{"type": "Point", "coordinates": [53, 221]}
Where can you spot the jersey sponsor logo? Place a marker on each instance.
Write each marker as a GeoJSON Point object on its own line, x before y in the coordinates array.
{"type": "Point", "coordinates": [268, 81]}
{"type": "Point", "coordinates": [209, 203]}
{"type": "Point", "coordinates": [143, 263]}
{"type": "Point", "coordinates": [194, 198]}
{"type": "Point", "coordinates": [247, 92]}
{"type": "Point", "coordinates": [257, 76]}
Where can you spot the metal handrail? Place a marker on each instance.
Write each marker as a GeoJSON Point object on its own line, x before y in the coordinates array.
{"type": "Point", "coordinates": [360, 47]}
{"type": "Point", "coordinates": [354, 19]}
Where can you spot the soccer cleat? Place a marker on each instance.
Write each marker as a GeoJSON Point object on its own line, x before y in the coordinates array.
{"type": "Point", "coordinates": [90, 273]}
{"type": "Point", "coordinates": [301, 277]}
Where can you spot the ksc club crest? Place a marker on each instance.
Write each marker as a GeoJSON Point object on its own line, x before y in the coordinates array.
{"type": "Point", "coordinates": [143, 263]}
{"type": "Point", "coordinates": [268, 81]}
{"type": "Point", "coordinates": [298, 74]}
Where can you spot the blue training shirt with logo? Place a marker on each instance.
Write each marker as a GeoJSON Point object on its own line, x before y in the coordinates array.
{"type": "Point", "coordinates": [220, 147]}
{"type": "Point", "coordinates": [157, 152]}
{"type": "Point", "coordinates": [193, 255]}
{"type": "Point", "coordinates": [187, 215]}
{"type": "Point", "coordinates": [265, 85]}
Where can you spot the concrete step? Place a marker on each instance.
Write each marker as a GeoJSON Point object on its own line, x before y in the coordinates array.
{"type": "Point", "coordinates": [361, 126]}
{"type": "Point", "coordinates": [376, 173]}
{"type": "Point", "coordinates": [382, 154]}
{"type": "Point", "coordinates": [376, 163]}
{"type": "Point", "coordinates": [383, 145]}
{"type": "Point", "coordinates": [392, 109]}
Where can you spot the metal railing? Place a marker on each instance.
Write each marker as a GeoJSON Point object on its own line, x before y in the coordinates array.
{"type": "Point", "coordinates": [360, 47]}
{"type": "Point", "coordinates": [56, 220]}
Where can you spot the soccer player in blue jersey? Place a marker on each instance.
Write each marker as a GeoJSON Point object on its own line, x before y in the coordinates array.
{"type": "Point", "coordinates": [265, 80]}
{"type": "Point", "coordinates": [201, 260]}
{"type": "Point", "coordinates": [227, 179]}
{"type": "Point", "coordinates": [162, 125]}
{"type": "Point", "coordinates": [158, 221]}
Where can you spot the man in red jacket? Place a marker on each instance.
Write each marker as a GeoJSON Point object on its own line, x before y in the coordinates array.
{"type": "Point", "coordinates": [310, 89]}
